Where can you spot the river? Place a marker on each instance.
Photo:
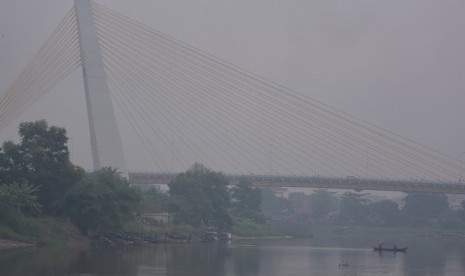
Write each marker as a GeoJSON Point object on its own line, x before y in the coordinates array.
{"type": "Point", "coordinates": [272, 257]}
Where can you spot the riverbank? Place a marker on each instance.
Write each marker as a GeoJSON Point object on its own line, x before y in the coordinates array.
{"type": "Point", "coordinates": [44, 231]}
{"type": "Point", "coordinates": [9, 244]}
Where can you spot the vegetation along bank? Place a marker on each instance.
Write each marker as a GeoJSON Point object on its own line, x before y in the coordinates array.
{"type": "Point", "coordinates": [45, 199]}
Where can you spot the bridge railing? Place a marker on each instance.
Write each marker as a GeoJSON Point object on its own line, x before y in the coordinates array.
{"type": "Point", "coordinates": [352, 183]}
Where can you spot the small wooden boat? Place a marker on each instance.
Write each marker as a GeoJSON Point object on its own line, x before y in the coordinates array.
{"type": "Point", "coordinates": [394, 249]}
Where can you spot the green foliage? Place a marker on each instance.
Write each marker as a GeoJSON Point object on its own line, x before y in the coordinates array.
{"type": "Point", "coordinates": [10, 163]}
{"type": "Point", "coordinates": [153, 201]}
{"type": "Point", "coordinates": [297, 200]}
{"type": "Point", "coordinates": [384, 212]}
{"type": "Point", "coordinates": [353, 208]}
{"type": "Point", "coordinates": [201, 195]}
{"type": "Point", "coordinates": [19, 227]}
{"type": "Point", "coordinates": [19, 197]}
{"type": "Point", "coordinates": [245, 227]}
{"type": "Point", "coordinates": [41, 158]}
{"type": "Point", "coordinates": [16, 200]}
{"type": "Point", "coordinates": [451, 220]}
{"type": "Point", "coordinates": [247, 201]}
{"type": "Point", "coordinates": [41, 230]}
{"type": "Point", "coordinates": [317, 205]}
{"type": "Point", "coordinates": [420, 208]}
{"type": "Point", "coordinates": [322, 202]}
{"type": "Point", "coordinates": [102, 203]}
{"type": "Point", "coordinates": [273, 205]}
{"type": "Point", "coordinates": [36, 175]}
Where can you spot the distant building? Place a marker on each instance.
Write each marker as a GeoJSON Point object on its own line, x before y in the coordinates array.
{"type": "Point", "coordinates": [280, 192]}
{"type": "Point", "coordinates": [163, 217]}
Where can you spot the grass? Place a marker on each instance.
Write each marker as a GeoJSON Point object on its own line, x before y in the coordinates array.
{"type": "Point", "coordinates": [41, 231]}
{"type": "Point", "coordinates": [247, 228]}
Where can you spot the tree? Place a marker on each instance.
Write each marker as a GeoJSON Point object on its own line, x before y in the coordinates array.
{"type": "Point", "coordinates": [10, 162]}
{"type": "Point", "coordinates": [101, 203]}
{"type": "Point", "coordinates": [420, 208]}
{"type": "Point", "coordinates": [274, 206]}
{"type": "Point", "coordinates": [247, 201]}
{"type": "Point", "coordinates": [41, 158]}
{"type": "Point", "coordinates": [300, 204]}
{"type": "Point", "coordinates": [201, 195]}
{"type": "Point", "coordinates": [153, 201]}
{"type": "Point", "coordinates": [18, 198]}
{"type": "Point", "coordinates": [322, 202]}
{"type": "Point", "coordinates": [353, 208]}
{"type": "Point", "coordinates": [385, 212]}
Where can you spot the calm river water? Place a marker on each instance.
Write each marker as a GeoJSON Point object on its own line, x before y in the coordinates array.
{"type": "Point", "coordinates": [243, 257]}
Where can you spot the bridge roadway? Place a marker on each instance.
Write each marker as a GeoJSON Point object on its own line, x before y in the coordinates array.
{"type": "Point", "coordinates": [347, 183]}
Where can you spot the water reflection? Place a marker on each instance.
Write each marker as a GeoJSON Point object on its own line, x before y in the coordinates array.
{"type": "Point", "coordinates": [37, 262]}
{"type": "Point", "coordinates": [241, 258]}
{"type": "Point", "coordinates": [199, 259]}
{"type": "Point", "coordinates": [247, 260]}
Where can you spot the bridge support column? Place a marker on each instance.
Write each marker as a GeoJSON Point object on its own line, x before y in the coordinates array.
{"type": "Point", "coordinates": [105, 140]}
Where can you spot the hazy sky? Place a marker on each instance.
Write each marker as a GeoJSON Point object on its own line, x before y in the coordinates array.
{"type": "Point", "coordinates": [399, 64]}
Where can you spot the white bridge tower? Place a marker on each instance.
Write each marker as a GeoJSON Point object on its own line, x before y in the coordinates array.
{"type": "Point", "coordinates": [105, 140]}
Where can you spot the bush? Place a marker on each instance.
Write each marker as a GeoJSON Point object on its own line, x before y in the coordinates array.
{"type": "Point", "coordinates": [102, 203]}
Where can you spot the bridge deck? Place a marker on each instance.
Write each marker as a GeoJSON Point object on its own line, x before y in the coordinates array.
{"type": "Point", "coordinates": [357, 184]}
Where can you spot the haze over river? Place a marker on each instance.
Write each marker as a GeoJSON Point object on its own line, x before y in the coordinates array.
{"type": "Point", "coordinates": [271, 257]}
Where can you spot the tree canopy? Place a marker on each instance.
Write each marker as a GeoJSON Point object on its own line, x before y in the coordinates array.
{"type": "Point", "coordinates": [385, 212]}
{"type": "Point", "coordinates": [322, 203]}
{"type": "Point", "coordinates": [201, 195]}
{"type": "Point", "coordinates": [37, 176]}
{"type": "Point", "coordinates": [42, 159]}
{"type": "Point", "coordinates": [247, 201]}
{"type": "Point", "coordinates": [103, 202]}
{"type": "Point", "coordinates": [421, 207]}
{"type": "Point", "coordinates": [353, 208]}
{"type": "Point", "coordinates": [18, 198]}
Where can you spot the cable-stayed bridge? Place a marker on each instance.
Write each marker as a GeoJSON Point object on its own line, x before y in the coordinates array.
{"type": "Point", "coordinates": [341, 183]}
{"type": "Point", "coordinates": [184, 106]}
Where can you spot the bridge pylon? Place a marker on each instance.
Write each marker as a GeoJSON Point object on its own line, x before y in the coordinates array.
{"type": "Point", "coordinates": [105, 140]}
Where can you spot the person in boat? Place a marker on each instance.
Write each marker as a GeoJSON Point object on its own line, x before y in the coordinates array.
{"type": "Point", "coordinates": [344, 264]}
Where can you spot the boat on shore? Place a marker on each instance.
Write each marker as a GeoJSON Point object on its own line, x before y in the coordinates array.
{"type": "Point", "coordinates": [212, 234]}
